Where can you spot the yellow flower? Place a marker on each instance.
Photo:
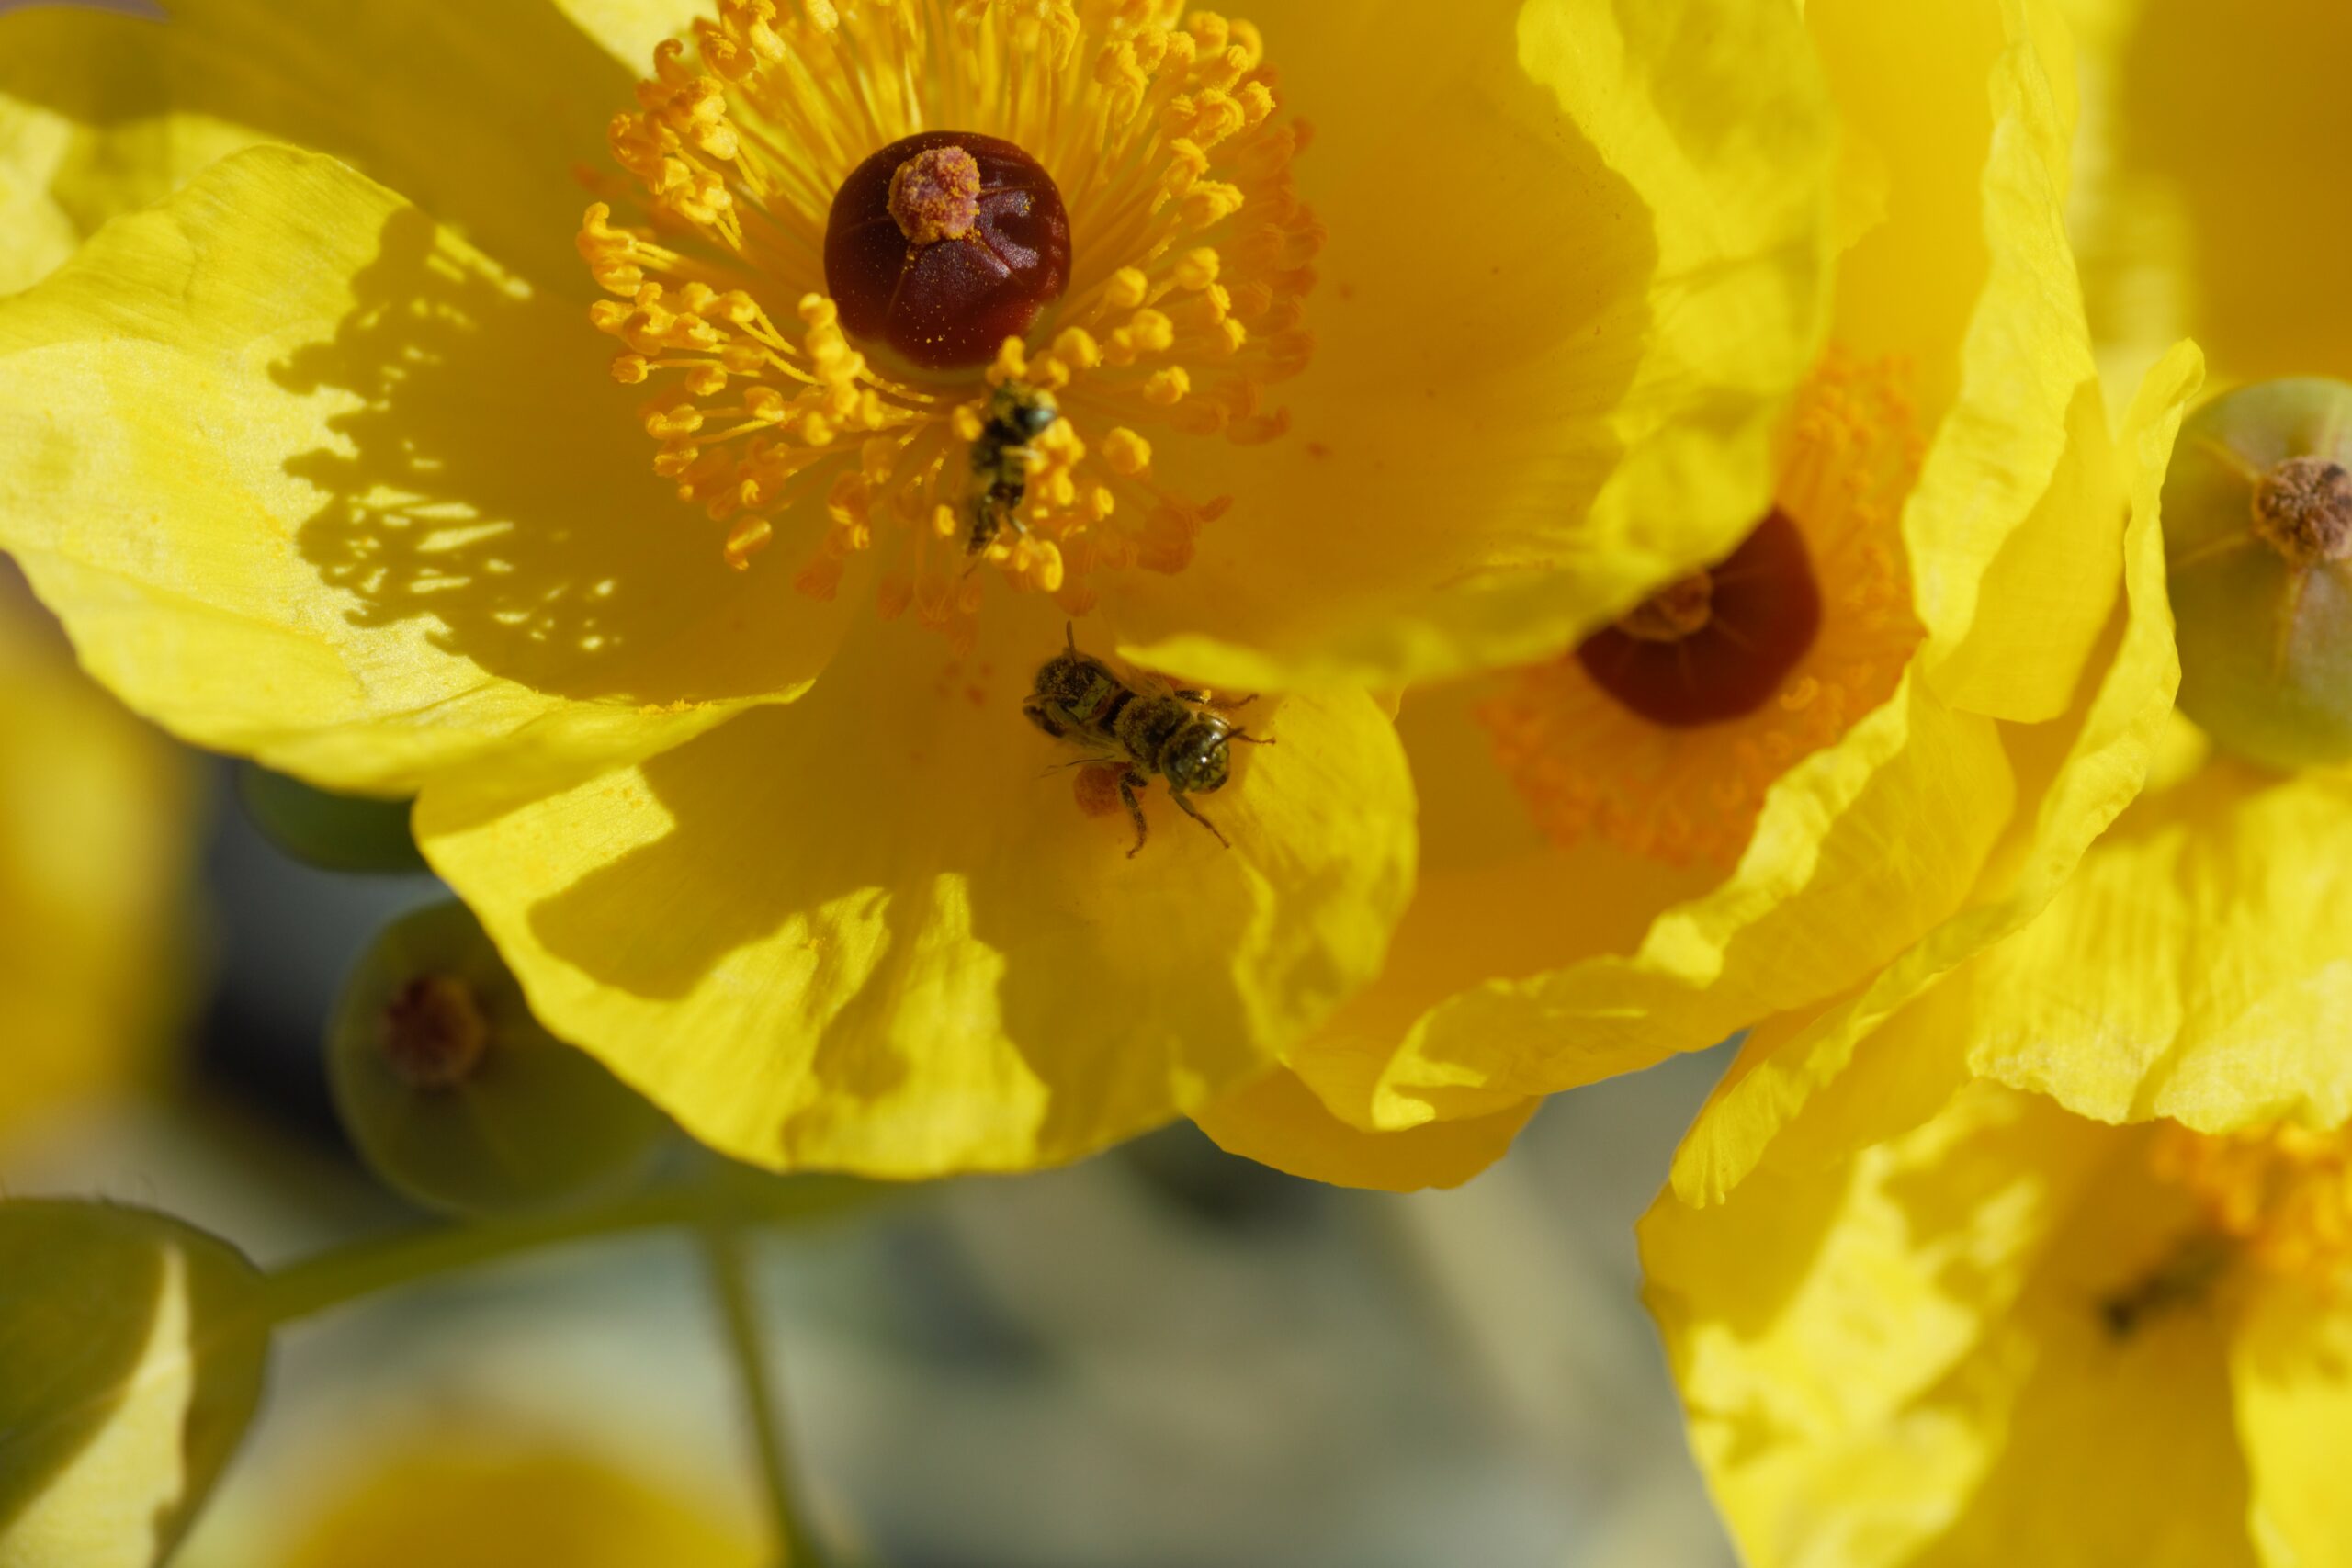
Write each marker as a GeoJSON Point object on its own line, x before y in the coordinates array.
{"type": "Point", "coordinates": [2015, 1333]}
{"type": "Point", "coordinates": [460, 1497]}
{"type": "Point", "coordinates": [1789, 792]}
{"type": "Point", "coordinates": [96, 826]}
{"type": "Point", "coordinates": [323, 461]}
{"type": "Point", "coordinates": [2194, 968]}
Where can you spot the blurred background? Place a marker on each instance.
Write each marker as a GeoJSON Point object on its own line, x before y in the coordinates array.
{"type": "Point", "coordinates": [1163, 1357]}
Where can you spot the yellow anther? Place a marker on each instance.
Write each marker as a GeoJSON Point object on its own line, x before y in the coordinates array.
{"type": "Point", "coordinates": [1129, 288]}
{"type": "Point", "coordinates": [1168, 387]}
{"type": "Point", "coordinates": [1197, 268]}
{"type": "Point", "coordinates": [1128, 453]}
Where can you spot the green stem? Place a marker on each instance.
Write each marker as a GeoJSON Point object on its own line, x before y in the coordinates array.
{"type": "Point", "coordinates": [365, 1269]}
{"type": "Point", "coordinates": [726, 1248]}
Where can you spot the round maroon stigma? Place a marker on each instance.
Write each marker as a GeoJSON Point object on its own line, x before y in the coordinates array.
{"type": "Point", "coordinates": [943, 245]}
{"type": "Point", "coordinates": [1715, 645]}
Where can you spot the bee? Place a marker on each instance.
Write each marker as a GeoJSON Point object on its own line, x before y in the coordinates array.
{"type": "Point", "coordinates": [1178, 735]}
{"type": "Point", "coordinates": [1003, 458]}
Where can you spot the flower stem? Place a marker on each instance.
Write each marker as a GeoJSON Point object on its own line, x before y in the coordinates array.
{"type": "Point", "coordinates": [364, 1268]}
{"type": "Point", "coordinates": [726, 1248]}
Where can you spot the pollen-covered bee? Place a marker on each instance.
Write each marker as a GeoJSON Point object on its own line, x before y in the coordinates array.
{"type": "Point", "coordinates": [1158, 730]}
{"type": "Point", "coordinates": [1002, 460]}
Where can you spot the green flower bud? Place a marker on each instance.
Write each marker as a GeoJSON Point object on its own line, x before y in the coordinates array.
{"type": "Point", "coordinates": [131, 1352]}
{"type": "Point", "coordinates": [457, 1097]}
{"type": "Point", "coordinates": [2258, 519]}
{"type": "Point", "coordinates": [333, 832]}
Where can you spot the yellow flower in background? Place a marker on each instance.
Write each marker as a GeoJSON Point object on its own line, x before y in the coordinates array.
{"type": "Point", "coordinates": [465, 1498]}
{"type": "Point", "coordinates": [335, 473]}
{"type": "Point", "coordinates": [2017, 1330]}
{"type": "Point", "coordinates": [97, 817]}
{"type": "Point", "coordinates": [1791, 790]}
{"type": "Point", "coordinates": [2195, 966]}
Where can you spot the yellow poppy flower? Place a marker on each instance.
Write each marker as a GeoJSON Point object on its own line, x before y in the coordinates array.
{"type": "Point", "coordinates": [1792, 790]}
{"type": "Point", "coordinates": [2015, 1330]}
{"type": "Point", "coordinates": [96, 829]}
{"type": "Point", "coordinates": [323, 461]}
{"type": "Point", "coordinates": [2194, 968]}
{"type": "Point", "coordinates": [464, 1498]}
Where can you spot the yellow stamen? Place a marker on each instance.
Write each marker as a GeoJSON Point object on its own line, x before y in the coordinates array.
{"type": "Point", "coordinates": [1190, 264]}
{"type": "Point", "coordinates": [2279, 1197]}
{"type": "Point", "coordinates": [1585, 763]}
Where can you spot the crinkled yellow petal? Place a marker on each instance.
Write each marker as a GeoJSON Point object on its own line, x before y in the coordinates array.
{"type": "Point", "coordinates": [1576, 261]}
{"type": "Point", "coordinates": [1279, 1122]}
{"type": "Point", "coordinates": [131, 1348]}
{"type": "Point", "coordinates": [2081, 772]}
{"type": "Point", "coordinates": [2203, 216]}
{"type": "Point", "coordinates": [871, 930]}
{"type": "Point", "coordinates": [2290, 1366]}
{"type": "Point", "coordinates": [631, 29]}
{"type": "Point", "coordinates": [1904, 1361]}
{"type": "Point", "coordinates": [36, 234]}
{"type": "Point", "coordinates": [2199, 966]}
{"type": "Point", "coordinates": [477, 113]}
{"type": "Point", "coordinates": [1955, 107]}
{"type": "Point", "coordinates": [97, 829]}
{"type": "Point", "coordinates": [310, 480]}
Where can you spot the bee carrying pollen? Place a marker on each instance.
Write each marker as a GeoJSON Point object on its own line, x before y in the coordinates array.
{"type": "Point", "coordinates": [1003, 460]}
{"type": "Point", "coordinates": [1178, 735]}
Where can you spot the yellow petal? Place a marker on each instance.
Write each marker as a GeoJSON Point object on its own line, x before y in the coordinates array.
{"type": "Point", "coordinates": [871, 930]}
{"type": "Point", "coordinates": [36, 234]}
{"type": "Point", "coordinates": [475, 113]}
{"type": "Point", "coordinates": [630, 29]}
{"type": "Point", "coordinates": [1278, 1120]}
{"type": "Point", "coordinates": [2291, 1369]}
{"type": "Point", "coordinates": [2082, 771]}
{"type": "Point", "coordinates": [2200, 218]}
{"type": "Point", "coordinates": [313, 480]}
{"type": "Point", "coordinates": [1904, 1359]}
{"type": "Point", "coordinates": [471, 1502]}
{"type": "Point", "coordinates": [95, 844]}
{"type": "Point", "coordinates": [131, 1359]}
{"type": "Point", "coordinates": [1575, 268]}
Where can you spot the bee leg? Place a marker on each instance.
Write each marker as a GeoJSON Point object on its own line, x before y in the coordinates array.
{"type": "Point", "coordinates": [1199, 697]}
{"type": "Point", "coordinates": [1128, 783]}
{"type": "Point", "coordinates": [1186, 806]}
{"type": "Point", "coordinates": [1248, 739]}
{"type": "Point", "coordinates": [1236, 706]}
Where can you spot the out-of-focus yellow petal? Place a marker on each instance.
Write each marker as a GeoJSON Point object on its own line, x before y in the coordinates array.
{"type": "Point", "coordinates": [95, 840]}
{"type": "Point", "coordinates": [1909, 1361]}
{"type": "Point", "coordinates": [2290, 1366]}
{"type": "Point", "coordinates": [471, 1503]}
{"type": "Point", "coordinates": [1576, 261]}
{"type": "Point", "coordinates": [477, 113]}
{"type": "Point", "coordinates": [2202, 214]}
{"type": "Point", "coordinates": [131, 1359]}
{"type": "Point", "coordinates": [1278, 1120]}
{"type": "Point", "coordinates": [868, 930]}
{"type": "Point", "coordinates": [313, 480]}
{"type": "Point", "coordinates": [631, 29]}
{"type": "Point", "coordinates": [35, 233]}
{"type": "Point", "coordinates": [2082, 771]}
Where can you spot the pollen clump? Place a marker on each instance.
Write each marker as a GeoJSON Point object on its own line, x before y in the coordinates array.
{"type": "Point", "coordinates": [795, 423]}
{"type": "Point", "coordinates": [1664, 731]}
{"type": "Point", "coordinates": [2303, 509]}
{"type": "Point", "coordinates": [935, 196]}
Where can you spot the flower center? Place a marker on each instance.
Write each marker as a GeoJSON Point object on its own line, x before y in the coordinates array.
{"type": "Point", "coordinates": [868, 339]}
{"type": "Point", "coordinates": [433, 1033]}
{"type": "Point", "coordinates": [1664, 731]}
{"type": "Point", "coordinates": [2303, 509]}
{"type": "Point", "coordinates": [944, 245]}
{"type": "Point", "coordinates": [2277, 1198]}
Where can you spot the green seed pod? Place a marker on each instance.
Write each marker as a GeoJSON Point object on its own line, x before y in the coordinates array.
{"type": "Point", "coordinates": [333, 832]}
{"type": "Point", "coordinates": [2258, 519]}
{"type": "Point", "coordinates": [454, 1093]}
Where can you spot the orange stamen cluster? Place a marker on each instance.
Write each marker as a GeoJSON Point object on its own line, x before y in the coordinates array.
{"type": "Point", "coordinates": [1190, 267]}
{"type": "Point", "coordinates": [1587, 764]}
{"type": "Point", "coordinates": [2280, 1196]}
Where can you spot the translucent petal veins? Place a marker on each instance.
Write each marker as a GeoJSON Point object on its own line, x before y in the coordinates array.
{"type": "Point", "coordinates": [1679, 776]}
{"type": "Point", "coordinates": [1190, 270]}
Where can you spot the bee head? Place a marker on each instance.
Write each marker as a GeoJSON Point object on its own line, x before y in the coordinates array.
{"type": "Point", "coordinates": [1199, 760]}
{"type": "Point", "coordinates": [1025, 409]}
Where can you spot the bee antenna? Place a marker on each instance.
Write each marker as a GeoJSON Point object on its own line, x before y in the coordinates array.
{"type": "Point", "coordinates": [1070, 633]}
